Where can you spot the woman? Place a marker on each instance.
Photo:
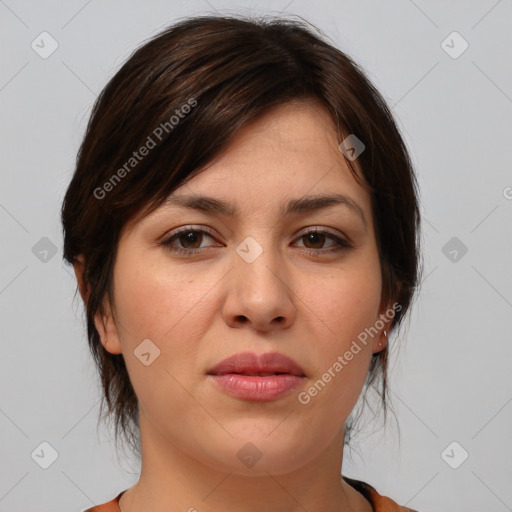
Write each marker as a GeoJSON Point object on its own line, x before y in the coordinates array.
{"type": "Point", "coordinates": [243, 224]}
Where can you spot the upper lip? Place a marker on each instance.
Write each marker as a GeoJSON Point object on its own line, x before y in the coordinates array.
{"type": "Point", "coordinates": [254, 364]}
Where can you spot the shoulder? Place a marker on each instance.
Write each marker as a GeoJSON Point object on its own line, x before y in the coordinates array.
{"type": "Point", "coordinates": [379, 503]}
{"type": "Point", "coordinates": [110, 506]}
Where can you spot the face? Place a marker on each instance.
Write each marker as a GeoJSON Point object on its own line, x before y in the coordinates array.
{"type": "Point", "coordinates": [305, 283]}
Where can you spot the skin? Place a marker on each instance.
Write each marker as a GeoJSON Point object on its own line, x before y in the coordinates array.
{"type": "Point", "coordinates": [203, 308]}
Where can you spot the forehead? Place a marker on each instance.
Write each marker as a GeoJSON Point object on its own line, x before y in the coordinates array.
{"type": "Point", "coordinates": [304, 128]}
{"type": "Point", "coordinates": [292, 150]}
{"type": "Point", "coordinates": [288, 153]}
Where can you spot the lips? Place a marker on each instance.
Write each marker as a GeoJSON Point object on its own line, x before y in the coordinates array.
{"type": "Point", "coordinates": [250, 363]}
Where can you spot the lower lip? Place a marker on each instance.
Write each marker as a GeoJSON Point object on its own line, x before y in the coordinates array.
{"type": "Point", "coordinates": [257, 388]}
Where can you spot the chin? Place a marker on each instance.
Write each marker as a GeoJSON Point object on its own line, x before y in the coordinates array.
{"type": "Point", "coordinates": [260, 454]}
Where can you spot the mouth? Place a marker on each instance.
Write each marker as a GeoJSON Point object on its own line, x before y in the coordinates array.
{"type": "Point", "coordinates": [259, 374]}
{"type": "Point", "coordinates": [252, 364]}
{"type": "Point", "coordinates": [250, 377]}
{"type": "Point", "coordinates": [257, 388]}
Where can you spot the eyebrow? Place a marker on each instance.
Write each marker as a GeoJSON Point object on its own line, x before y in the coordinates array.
{"type": "Point", "coordinates": [292, 206]}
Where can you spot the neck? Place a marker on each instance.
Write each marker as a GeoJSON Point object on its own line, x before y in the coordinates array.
{"type": "Point", "coordinates": [172, 479]}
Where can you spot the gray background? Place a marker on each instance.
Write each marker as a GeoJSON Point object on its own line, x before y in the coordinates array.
{"type": "Point", "coordinates": [450, 380]}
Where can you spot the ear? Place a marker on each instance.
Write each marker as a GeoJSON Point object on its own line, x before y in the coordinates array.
{"type": "Point", "coordinates": [383, 323]}
{"type": "Point", "coordinates": [105, 325]}
{"type": "Point", "coordinates": [79, 267]}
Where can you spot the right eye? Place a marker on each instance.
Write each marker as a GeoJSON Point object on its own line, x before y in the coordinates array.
{"type": "Point", "coordinates": [186, 236]}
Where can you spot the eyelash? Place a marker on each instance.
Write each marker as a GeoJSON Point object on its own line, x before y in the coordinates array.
{"type": "Point", "coordinates": [342, 244]}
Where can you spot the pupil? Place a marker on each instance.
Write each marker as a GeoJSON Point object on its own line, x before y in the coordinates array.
{"type": "Point", "coordinates": [311, 237]}
{"type": "Point", "coordinates": [191, 237]}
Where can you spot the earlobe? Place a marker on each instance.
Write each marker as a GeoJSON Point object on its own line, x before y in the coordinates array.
{"type": "Point", "coordinates": [384, 342]}
{"type": "Point", "coordinates": [381, 341]}
{"type": "Point", "coordinates": [384, 324]}
{"type": "Point", "coordinates": [104, 325]}
{"type": "Point", "coordinates": [111, 347]}
{"type": "Point", "coordinates": [107, 331]}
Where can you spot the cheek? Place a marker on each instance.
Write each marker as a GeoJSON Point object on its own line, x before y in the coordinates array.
{"type": "Point", "coordinates": [342, 307]}
{"type": "Point", "coordinates": [168, 308]}
{"type": "Point", "coordinates": [345, 303]}
{"type": "Point", "coordinates": [172, 308]}
{"type": "Point", "coordinates": [153, 301]}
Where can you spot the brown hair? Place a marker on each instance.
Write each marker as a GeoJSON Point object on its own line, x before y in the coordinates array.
{"type": "Point", "coordinates": [229, 70]}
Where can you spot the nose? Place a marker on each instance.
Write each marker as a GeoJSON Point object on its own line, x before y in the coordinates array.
{"type": "Point", "coordinates": [259, 293]}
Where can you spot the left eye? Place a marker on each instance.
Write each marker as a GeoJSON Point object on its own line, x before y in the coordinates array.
{"type": "Point", "coordinates": [194, 237]}
{"type": "Point", "coordinates": [316, 237]}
